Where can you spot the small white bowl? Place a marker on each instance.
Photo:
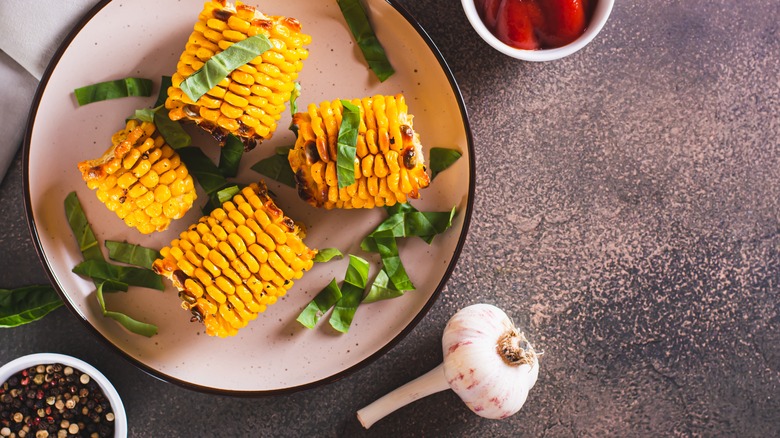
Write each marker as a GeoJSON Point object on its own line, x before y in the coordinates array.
{"type": "Point", "coordinates": [597, 21]}
{"type": "Point", "coordinates": [16, 365]}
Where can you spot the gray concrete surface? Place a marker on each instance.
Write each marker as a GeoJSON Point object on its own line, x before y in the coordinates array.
{"type": "Point", "coordinates": [626, 215]}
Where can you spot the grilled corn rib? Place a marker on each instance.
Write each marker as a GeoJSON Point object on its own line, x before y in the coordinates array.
{"type": "Point", "coordinates": [236, 261]}
{"type": "Point", "coordinates": [389, 163]}
{"type": "Point", "coordinates": [141, 178]}
{"type": "Point", "coordinates": [249, 102]}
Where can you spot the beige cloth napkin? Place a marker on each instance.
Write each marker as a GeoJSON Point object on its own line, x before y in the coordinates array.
{"type": "Point", "coordinates": [30, 33]}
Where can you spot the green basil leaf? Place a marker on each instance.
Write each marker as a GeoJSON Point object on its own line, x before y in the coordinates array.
{"type": "Point", "coordinates": [85, 237]}
{"type": "Point", "coordinates": [145, 114]}
{"type": "Point", "coordinates": [113, 90]}
{"type": "Point", "coordinates": [173, 133]}
{"type": "Point", "coordinates": [294, 95]}
{"type": "Point", "coordinates": [203, 169]}
{"type": "Point", "coordinates": [320, 305]}
{"type": "Point", "coordinates": [230, 156]}
{"type": "Point", "coordinates": [276, 167]}
{"type": "Point", "coordinates": [134, 326]}
{"type": "Point", "coordinates": [358, 23]}
{"type": "Point", "coordinates": [162, 95]}
{"type": "Point", "coordinates": [26, 304]}
{"type": "Point", "coordinates": [381, 289]}
{"type": "Point", "coordinates": [100, 270]}
{"type": "Point", "coordinates": [351, 294]}
{"type": "Point", "coordinates": [405, 221]}
{"type": "Point", "coordinates": [387, 247]}
{"type": "Point", "coordinates": [441, 159]}
{"type": "Point", "coordinates": [327, 254]}
{"type": "Point", "coordinates": [227, 194]}
{"type": "Point", "coordinates": [219, 66]}
{"type": "Point", "coordinates": [346, 144]}
{"type": "Point", "coordinates": [131, 253]}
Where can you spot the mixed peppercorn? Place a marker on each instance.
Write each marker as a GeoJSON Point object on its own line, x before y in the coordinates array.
{"type": "Point", "coordinates": [54, 400]}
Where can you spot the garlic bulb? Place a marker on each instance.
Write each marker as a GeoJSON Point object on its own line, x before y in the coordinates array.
{"type": "Point", "coordinates": [487, 362]}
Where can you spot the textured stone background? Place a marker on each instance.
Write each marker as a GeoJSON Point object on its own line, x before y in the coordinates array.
{"type": "Point", "coordinates": [626, 216]}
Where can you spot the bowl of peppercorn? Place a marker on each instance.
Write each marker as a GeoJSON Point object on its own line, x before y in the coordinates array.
{"type": "Point", "coordinates": [54, 395]}
{"type": "Point", "coordinates": [537, 30]}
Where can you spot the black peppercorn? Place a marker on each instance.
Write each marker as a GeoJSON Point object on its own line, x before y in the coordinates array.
{"type": "Point", "coordinates": [51, 400]}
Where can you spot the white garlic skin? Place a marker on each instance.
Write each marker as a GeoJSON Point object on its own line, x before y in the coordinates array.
{"type": "Point", "coordinates": [474, 369]}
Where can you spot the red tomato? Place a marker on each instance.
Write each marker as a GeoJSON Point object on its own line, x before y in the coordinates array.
{"type": "Point", "coordinates": [565, 21]}
{"type": "Point", "coordinates": [488, 11]}
{"type": "Point", "coordinates": [517, 20]}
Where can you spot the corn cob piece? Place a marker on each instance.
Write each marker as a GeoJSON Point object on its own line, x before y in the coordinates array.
{"type": "Point", "coordinates": [249, 102]}
{"type": "Point", "coordinates": [236, 261]}
{"type": "Point", "coordinates": [389, 163]}
{"type": "Point", "coordinates": [141, 178]}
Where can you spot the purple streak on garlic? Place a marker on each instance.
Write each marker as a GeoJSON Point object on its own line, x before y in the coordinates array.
{"type": "Point", "coordinates": [487, 362]}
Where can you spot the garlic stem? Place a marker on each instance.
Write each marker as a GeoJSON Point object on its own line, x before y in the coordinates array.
{"type": "Point", "coordinates": [429, 383]}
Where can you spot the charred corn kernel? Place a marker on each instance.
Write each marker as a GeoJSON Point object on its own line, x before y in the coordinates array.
{"type": "Point", "coordinates": [135, 190]}
{"type": "Point", "coordinates": [389, 164]}
{"type": "Point", "coordinates": [229, 107]}
{"type": "Point", "coordinates": [235, 261]}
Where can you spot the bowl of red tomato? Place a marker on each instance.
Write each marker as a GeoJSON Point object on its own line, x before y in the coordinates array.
{"type": "Point", "coordinates": [537, 30]}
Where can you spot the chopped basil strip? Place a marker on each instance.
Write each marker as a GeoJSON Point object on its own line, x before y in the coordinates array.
{"type": "Point", "coordinates": [209, 176]}
{"type": "Point", "coordinates": [346, 144]}
{"type": "Point", "coordinates": [294, 95]}
{"type": "Point", "coordinates": [320, 304]}
{"type": "Point", "coordinates": [358, 23]}
{"type": "Point", "coordinates": [101, 270]}
{"type": "Point", "coordinates": [26, 304]}
{"type": "Point", "coordinates": [381, 289]}
{"type": "Point", "coordinates": [230, 156]}
{"type": "Point", "coordinates": [113, 90]}
{"type": "Point", "coordinates": [405, 221]}
{"type": "Point", "coordinates": [145, 114]}
{"type": "Point", "coordinates": [227, 194]}
{"type": "Point", "coordinates": [173, 133]}
{"type": "Point", "coordinates": [203, 169]}
{"type": "Point", "coordinates": [352, 290]}
{"type": "Point", "coordinates": [277, 167]}
{"type": "Point", "coordinates": [116, 278]}
{"type": "Point", "coordinates": [88, 244]}
{"type": "Point", "coordinates": [387, 247]}
{"type": "Point", "coordinates": [131, 254]}
{"type": "Point", "coordinates": [219, 66]}
{"type": "Point", "coordinates": [162, 95]}
{"type": "Point", "coordinates": [135, 326]}
{"type": "Point", "coordinates": [441, 159]}
{"type": "Point", "coordinates": [327, 254]}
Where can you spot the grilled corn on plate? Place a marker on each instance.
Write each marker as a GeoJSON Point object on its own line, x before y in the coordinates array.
{"type": "Point", "coordinates": [389, 163]}
{"type": "Point", "coordinates": [249, 102]}
{"type": "Point", "coordinates": [233, 263]}
{"type": "Point", "coordinates": [141, 178]}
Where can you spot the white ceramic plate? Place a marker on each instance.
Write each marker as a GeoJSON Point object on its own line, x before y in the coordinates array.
{"type": "Point", "coordinates": [274, 353]}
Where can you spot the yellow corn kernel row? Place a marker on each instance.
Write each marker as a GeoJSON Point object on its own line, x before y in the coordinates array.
{"type": "Point", "coordinates": [236, 261]}
{"type": "Point", "coordinates": [141, 178]}
{"type": "Point", "coordinates": [249, 102]}
{"type": "Point", "coordinates": [389, 163]}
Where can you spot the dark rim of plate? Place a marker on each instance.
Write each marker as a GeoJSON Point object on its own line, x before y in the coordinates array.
{"type": "Point", "coordinates": [206, 389]}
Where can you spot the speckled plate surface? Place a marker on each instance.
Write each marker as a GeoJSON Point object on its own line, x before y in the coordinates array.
{"type": "Point", "coordinates": [274, 353]}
